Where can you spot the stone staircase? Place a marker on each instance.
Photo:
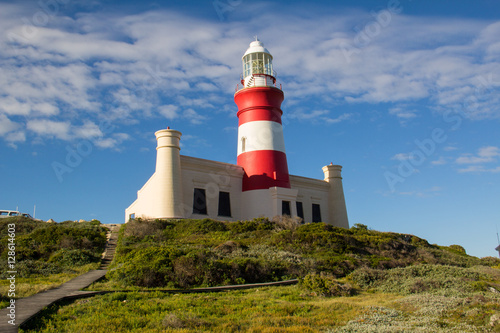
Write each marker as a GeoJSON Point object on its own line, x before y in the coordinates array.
{"type": "Point", "coordinates": [109, 252]}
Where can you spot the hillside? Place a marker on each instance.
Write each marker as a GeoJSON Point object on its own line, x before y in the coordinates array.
{"type": "Point", "coordinates": [48, 254]}
{"type": "Point", "coordinates": [350, 280]}
{"type": "Point", "coordinates": [195, 253]}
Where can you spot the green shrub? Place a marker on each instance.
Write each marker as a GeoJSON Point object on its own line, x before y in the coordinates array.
{"type": "Point", "coordinates": [326, 285]}
{"type": "Point", "coordinates": [456, 249]}
{"type": "Point", "coordinates": [207, 225]}
{"type": "Point", "coordinates": [285, 222]}
{"type": "Point", "coordinates": [75, 257]}
{"type": "Point", "coordinates": [490, 261]}
{"type": "Point", "coordinates": [241, 227]}
{"type": "Point", "coordinates": [149, 267]}
{"type": "Point", "coordinates": [418, 279]}
{"type": "Point", "coordinates": [30, 268]}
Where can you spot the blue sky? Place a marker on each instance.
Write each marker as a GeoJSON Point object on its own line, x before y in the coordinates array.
{"type": "Point", "coordinates": [404, 94]}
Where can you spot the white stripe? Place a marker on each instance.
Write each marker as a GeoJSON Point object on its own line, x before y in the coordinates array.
{"type": "Point", "coordinates": [260, 135]}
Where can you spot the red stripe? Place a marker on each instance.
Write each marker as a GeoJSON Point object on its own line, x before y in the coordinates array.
{"type": "Point", "coordinates": [257, 114]}
{"type": "Point", "coordinates": [264, 169]}
{"type": "Point", "coordinates": [264, 103]}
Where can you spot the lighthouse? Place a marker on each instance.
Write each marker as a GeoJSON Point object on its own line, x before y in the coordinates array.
{"type": "Point", "coordinates": [261, 145]}
{"type": "Point", "coordinates": [259, 185]}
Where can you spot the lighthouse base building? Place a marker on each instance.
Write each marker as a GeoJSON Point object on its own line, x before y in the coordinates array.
{"type": "Point", "coordinates": [259, 184]}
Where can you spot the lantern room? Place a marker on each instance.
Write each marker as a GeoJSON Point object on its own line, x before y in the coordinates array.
{"type": "Point", "coordinates": [258, 66]}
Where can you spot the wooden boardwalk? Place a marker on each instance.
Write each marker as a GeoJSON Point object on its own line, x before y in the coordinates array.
{"type": "Point", "coordinates": [28, 307]}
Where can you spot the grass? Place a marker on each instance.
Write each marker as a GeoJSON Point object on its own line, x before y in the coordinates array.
{"type": "Point", "coordinates": [32, 285]}
{"type": "Point", "coordinates": [48, 254]}
{"type": "Point", "coordinates": [279, 309]}
{"type": "Point", "coordinates": [351, 280]}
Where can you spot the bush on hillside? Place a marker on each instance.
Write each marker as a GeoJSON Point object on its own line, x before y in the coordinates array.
{"type": "Point", "coordinates": [75, 257]}
{"type": "Point", "coordinates": [31, 268]}
{"type": "Point", "coordinates": [209, 252]}
{"type": "Point", "coordinates": [418, 279]}
{"type": "Point", "coordinates": [326, 285]}
{"type": "Point", "coordinates": [48, 248]}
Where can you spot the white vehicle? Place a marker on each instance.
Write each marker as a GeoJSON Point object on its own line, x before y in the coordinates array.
{"type": "Point", "coordinates": [11, 213]}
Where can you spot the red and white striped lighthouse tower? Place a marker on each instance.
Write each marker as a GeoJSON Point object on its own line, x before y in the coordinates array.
{"type": "Point", "coordinates": [261, 146]}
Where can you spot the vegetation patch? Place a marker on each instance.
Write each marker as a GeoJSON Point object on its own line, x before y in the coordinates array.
{"type": "Point", "coordinates": [442, 279]}
{"type": "Point", "coordinates": [201, 253]}
{"type": "Point", "coordinates": [48, 254]}
{"type": "Point", "coordinates": [326, 285]}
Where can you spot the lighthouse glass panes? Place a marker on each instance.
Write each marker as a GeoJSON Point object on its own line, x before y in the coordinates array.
{"type": "Point", "coordinates": [257, 63]}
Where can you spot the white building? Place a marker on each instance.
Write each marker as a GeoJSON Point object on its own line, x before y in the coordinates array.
{"type": "Point", "coordinates": [259, 184]}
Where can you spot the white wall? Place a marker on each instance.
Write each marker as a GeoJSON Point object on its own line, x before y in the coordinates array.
{"type": "Point", "coordinates": [213, 177]}
{"type": "Point", "coordinates": [312, 191]}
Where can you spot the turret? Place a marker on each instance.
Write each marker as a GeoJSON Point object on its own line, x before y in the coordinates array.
{"type": "Point", "coordinates": [337, 212]}
{"type": "Point", "coordinates": [168, 201]}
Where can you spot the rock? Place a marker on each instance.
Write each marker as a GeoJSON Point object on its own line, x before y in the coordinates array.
{"type": "Point", "coordinates": [495, 319]}
{"type": "Point", "coordinates": [493, 290]}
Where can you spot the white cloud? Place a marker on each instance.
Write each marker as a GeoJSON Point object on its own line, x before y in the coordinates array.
{"type": "Point", "coordinates": [168, 111]}
{"type": "Point", "coordinates": [322, 116]}
{"type": "Point", "coordinates": [402, 157]}
{"type": "Point", "coordinates": [50, 128]}
{"type": "Point", "coordinates": [484, 155]}
{"type": "Point", "coordinates": [479, 169]}
{"type": "Point", "coordinates": [88, 130]}
{"type": "Point", "coordinates": [6, 125]}
{"type": "Point", "coordinates": [430, 192]}
{"type": "Point", "coordinates": [338, 119]}
{"type": "Point", "coordinates": [193, 116]}
{"type": "Point", "coordinates": [402, 113]}
{"type": "Point", "coordinates": [440, 161]}
{"type": "Point", "coordinates": [113, 141]}
{"type": "Point", "coordinates": [130, 67]}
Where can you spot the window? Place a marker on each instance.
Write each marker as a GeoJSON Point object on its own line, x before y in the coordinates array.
{"type": "Point", "coordinates": [316, 213]}
{"type": "Point", "coordinates": [257, 63]}
{"type": "Point", "coordinates": [224, 204]}
{"type": "Point", "coordinates": [199, 202]}
{"type": "Point", "coordinates": [243, 144]}
{"type": "Point", "coordinates": [131, 216]}
{"type": "Point", "coordinates": [285, 208]}
{"type": "Point", "coordinates": [300, 210]}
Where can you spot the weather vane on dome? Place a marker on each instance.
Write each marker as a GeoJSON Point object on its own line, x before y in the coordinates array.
{"type": "Point", "coordinates": [256, 38]}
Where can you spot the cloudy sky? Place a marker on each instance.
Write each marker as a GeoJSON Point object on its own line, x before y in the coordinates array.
{"type": "Point", "coordinates": [404, 94]}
